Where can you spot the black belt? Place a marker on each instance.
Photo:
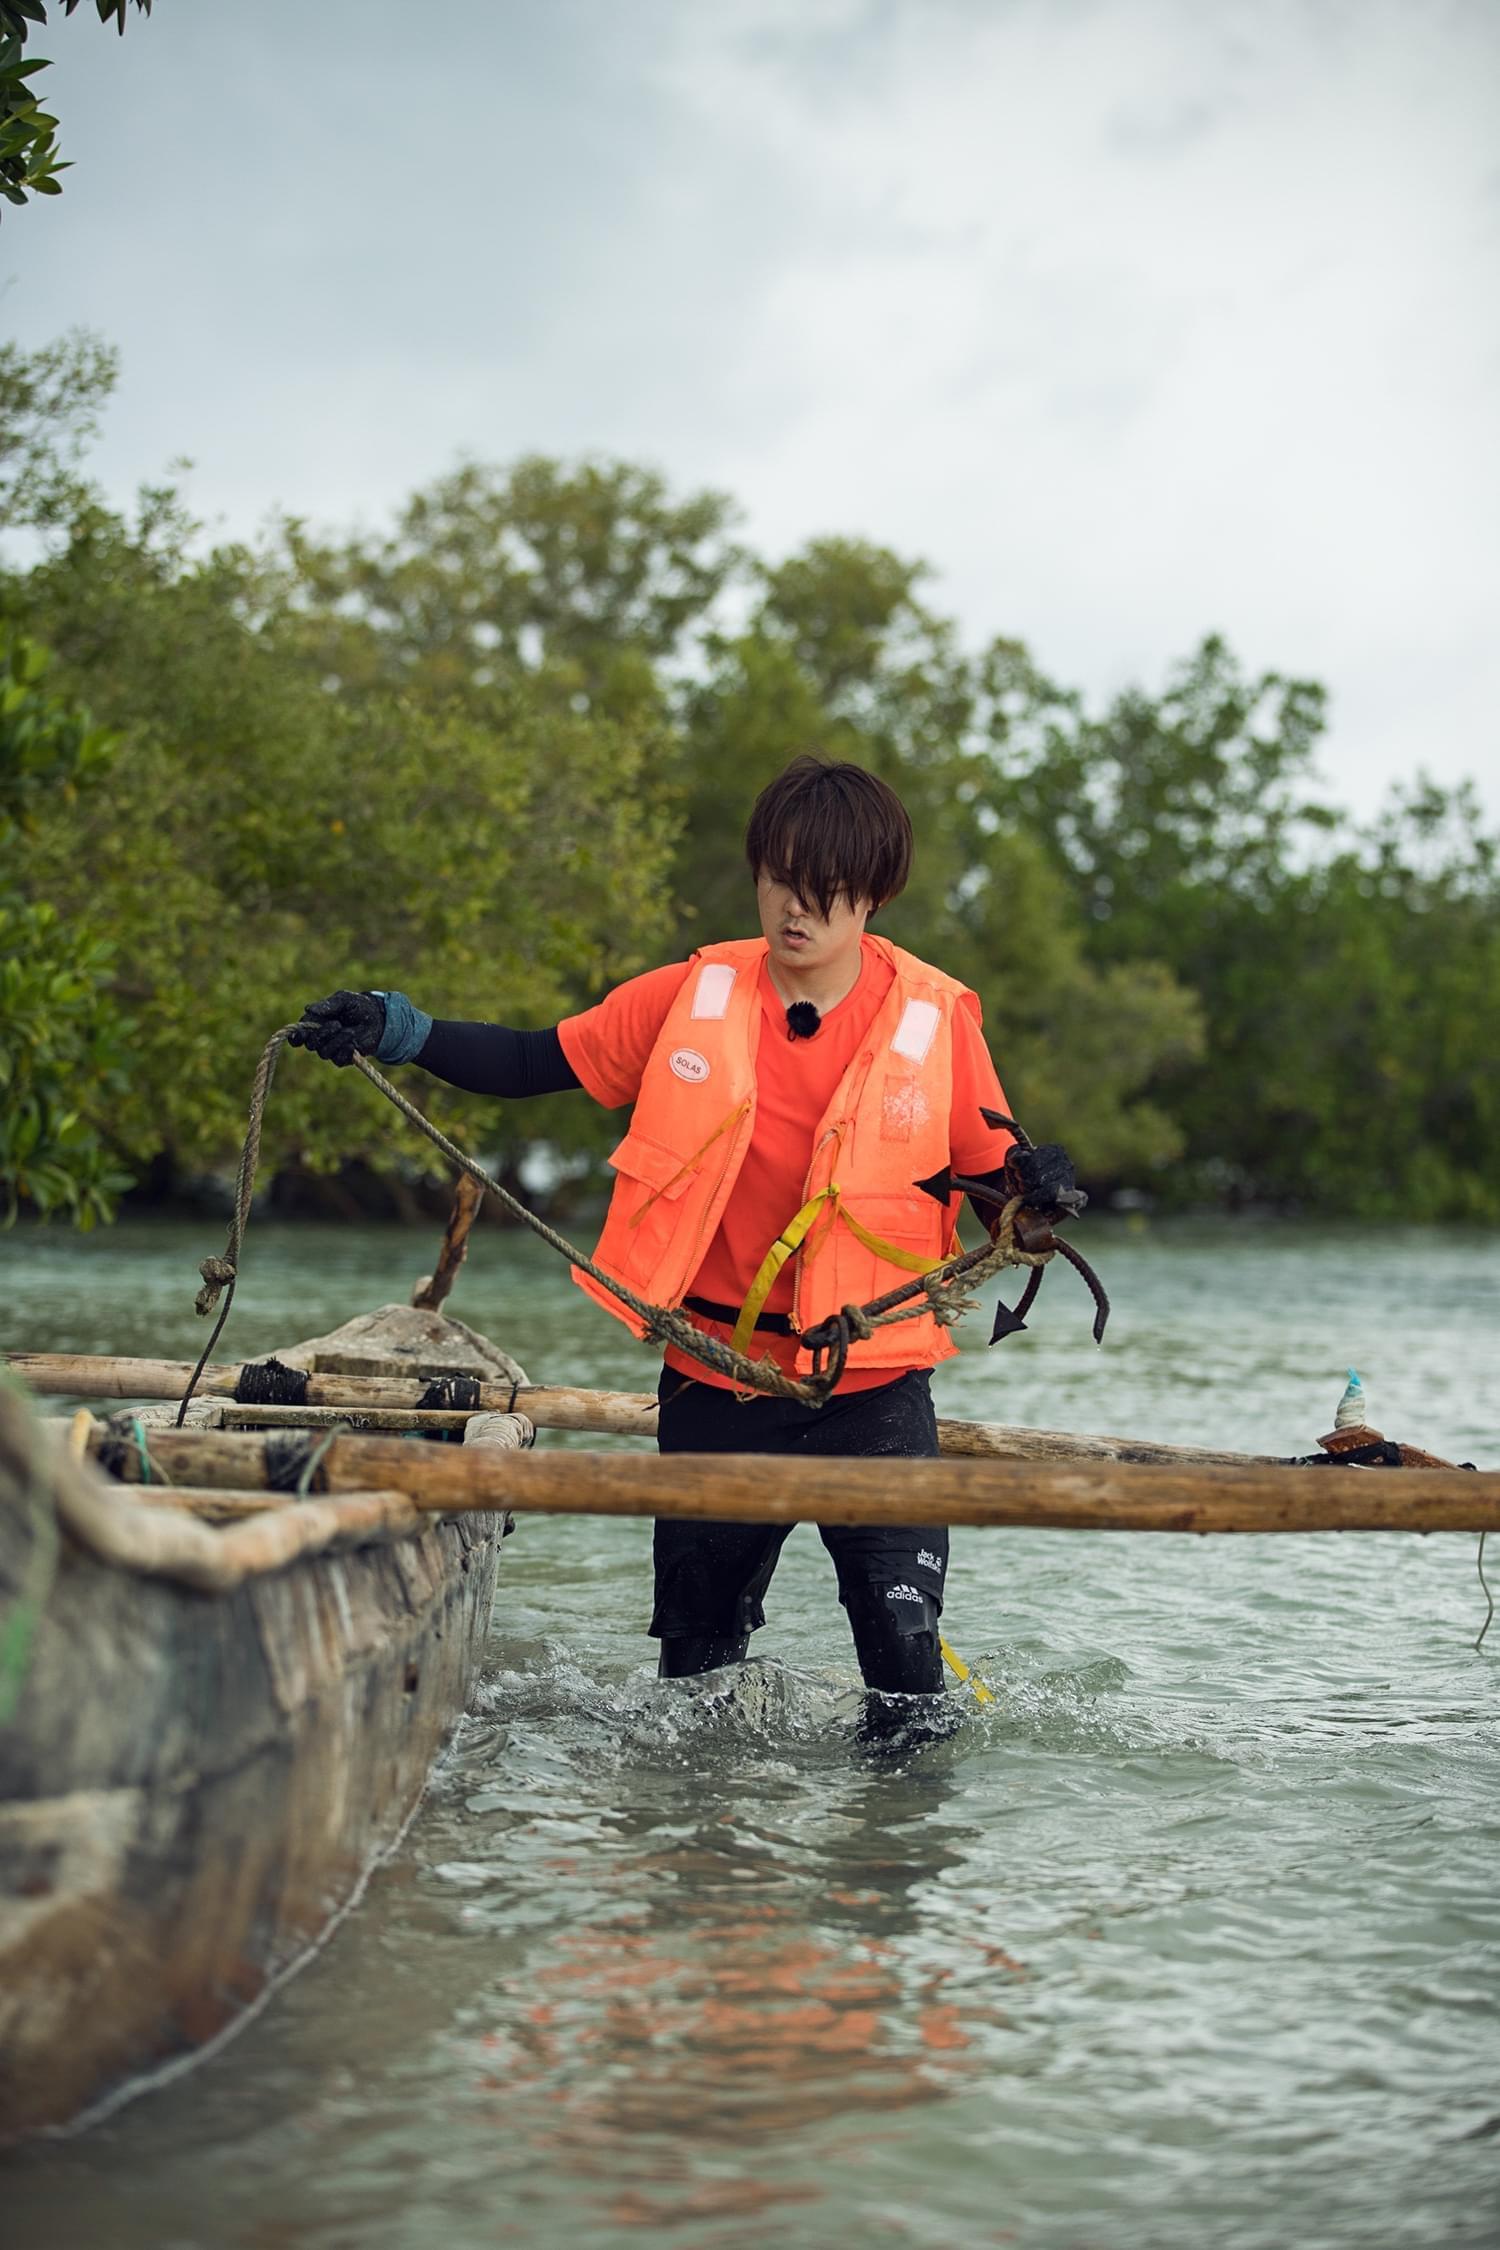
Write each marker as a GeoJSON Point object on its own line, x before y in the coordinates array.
{"type": "Point", "coordinates": [775, 1323]}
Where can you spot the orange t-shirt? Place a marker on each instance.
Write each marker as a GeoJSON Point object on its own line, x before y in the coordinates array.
{"type": "Point", "coordinates": [795, 1081]}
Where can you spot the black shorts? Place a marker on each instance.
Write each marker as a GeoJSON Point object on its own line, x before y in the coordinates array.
{"type": "Point", "coordinates": [712, 1577]}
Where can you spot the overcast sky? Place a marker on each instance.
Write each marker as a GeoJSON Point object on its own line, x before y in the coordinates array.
{"type": "Point", "coordinates": [1137, 318]}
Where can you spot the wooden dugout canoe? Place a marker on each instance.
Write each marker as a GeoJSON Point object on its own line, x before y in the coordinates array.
{"type": "Point", "coordinates": [194, 1785]}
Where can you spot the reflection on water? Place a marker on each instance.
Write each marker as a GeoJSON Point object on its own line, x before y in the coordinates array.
{"type": "Point", "coordinates": [708, 1991]}
{"type": "Point", "coordinates": [1189, 1938]}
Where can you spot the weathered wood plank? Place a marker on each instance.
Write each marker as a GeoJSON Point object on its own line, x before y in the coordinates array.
{"type": "Point", "coordinates": [214, 1505]}
{"type": "Point", "coordinates": [438, 1421]}
{"type": "Point", "coordinates": [1088, 1495]}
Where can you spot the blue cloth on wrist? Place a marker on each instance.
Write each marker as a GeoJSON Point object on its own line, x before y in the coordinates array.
{"type": "Point", "coordinates": [406, 1029]}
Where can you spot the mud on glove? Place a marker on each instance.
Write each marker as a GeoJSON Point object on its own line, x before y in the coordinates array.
{"type": "Point", "coordinates": [344, 1025]}
{"type": "Point", "coordinates": [1044, 1178]}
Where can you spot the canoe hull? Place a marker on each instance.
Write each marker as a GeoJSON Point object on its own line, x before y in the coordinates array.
{"type": "Point", "coordinates": [193, 1788]}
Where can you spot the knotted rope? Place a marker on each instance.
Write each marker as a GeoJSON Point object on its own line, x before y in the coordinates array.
{"type": "Point", "coordinates": [944, 1291]}
{"type": "Point", "coordinates": [220, 1274]}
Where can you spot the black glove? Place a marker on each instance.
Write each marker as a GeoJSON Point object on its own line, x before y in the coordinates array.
{"type": "Point", "coordinates": [1044, 1179]}
{"type": "Point", "coordinates": [344, 1025]}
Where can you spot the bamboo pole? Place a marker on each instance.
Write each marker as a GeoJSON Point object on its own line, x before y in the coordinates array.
{"type": "Point", "coordinates": [114, 1375]}
{"type": "Point", "coordinates": [620, 1414]}
{"type": "Point", "coordinates": [379, 1402]}
{"type": "Point", "coordinates": [749, 1488]}
{"type": "Point", "coordinates": [1006, 1441]}
{"type": "Point", "coordinates": [80, 1375]}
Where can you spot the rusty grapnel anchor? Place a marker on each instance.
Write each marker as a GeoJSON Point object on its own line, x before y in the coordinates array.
{"type": "Point", "coordinates": [1052, 1197]}
{"type": "Point", "coordinates": [1030, 1204]}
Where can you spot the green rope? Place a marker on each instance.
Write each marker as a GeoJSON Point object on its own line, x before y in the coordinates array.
{"type": "Point", "coordinates": [148, 1466]}
{"type": "Point", "coordinates": [309, 1466]}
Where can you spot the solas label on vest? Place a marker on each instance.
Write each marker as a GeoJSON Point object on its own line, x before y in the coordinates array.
{"type": "Point", "coordinates": [689, 1064]}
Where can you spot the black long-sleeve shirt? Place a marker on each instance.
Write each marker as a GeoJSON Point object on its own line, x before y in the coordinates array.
{"type": "Point", "coordinates": [490, 1058]}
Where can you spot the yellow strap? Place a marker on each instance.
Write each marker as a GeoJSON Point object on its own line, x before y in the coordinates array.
{"type": "Point", "coordinates": [961, 1671]}
{"type": "Point", "coordinates": [791, 1239]}
{"type": "Point", "coordinates": [907, 1260]}
{"type": "Point", "coordinates": [786, 1244]}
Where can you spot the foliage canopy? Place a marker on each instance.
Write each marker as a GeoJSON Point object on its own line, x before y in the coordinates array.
{"type": "Point", "coordinates": [61, 1033]}
{"type": "Point", "coordinates": [29, 161]}
{"type": "Point", "coordinates": [501, 756]}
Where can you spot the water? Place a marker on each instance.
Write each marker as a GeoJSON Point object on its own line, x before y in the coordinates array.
{"type": "Point", "coordinates": [1191, 1938]}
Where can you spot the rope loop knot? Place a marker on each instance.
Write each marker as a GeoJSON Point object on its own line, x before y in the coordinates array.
{"type": "Point", "coordinates": [218, 1273]}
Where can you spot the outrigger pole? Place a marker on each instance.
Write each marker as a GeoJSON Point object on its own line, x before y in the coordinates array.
{"type": "Point", "coordinates": [1086, 1495]}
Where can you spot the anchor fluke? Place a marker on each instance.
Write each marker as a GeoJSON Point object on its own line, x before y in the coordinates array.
{"type": "Point", "coordinates": [939, 1185]}
{"type": "Point", "coordinates": [1003, 1124]}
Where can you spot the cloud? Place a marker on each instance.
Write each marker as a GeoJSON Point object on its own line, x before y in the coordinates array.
{"type": "Point", "coordinates": [1137, 319]}
{"type": "Point", "coordinates": [1140, 326]}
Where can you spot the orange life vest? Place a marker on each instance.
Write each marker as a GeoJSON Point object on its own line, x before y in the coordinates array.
{"type": "Point", "coordinates": [886, 1127]}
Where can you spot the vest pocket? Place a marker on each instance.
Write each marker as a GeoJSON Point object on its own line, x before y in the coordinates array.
{"type": "Point", "coordinates": [906, 1219]}
{"type": "Point", "coordinates": [651, 1183]}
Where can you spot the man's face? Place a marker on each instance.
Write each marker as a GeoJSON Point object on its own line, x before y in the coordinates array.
{"type": "Point", "coordinates": [799, 936]}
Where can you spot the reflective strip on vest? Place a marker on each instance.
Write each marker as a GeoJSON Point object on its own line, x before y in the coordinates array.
{"type": "Point", "coordinates": [916, 1030]}
{"type": "Point", "coordinates": [711, 993]}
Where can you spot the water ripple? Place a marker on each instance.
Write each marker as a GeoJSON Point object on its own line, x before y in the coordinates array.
{"type": "Point", "coordinates": [1190, 1937]}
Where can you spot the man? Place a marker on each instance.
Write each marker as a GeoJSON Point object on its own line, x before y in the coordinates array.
{"type": "Point", "coordinates": [789, 1093]}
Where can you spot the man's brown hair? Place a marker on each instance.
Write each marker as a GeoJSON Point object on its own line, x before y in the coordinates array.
{"type": "Point", "coordinates": [828, 829]}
